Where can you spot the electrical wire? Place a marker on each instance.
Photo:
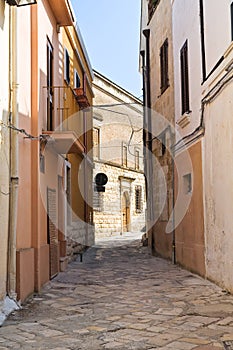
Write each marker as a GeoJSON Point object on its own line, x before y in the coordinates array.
{"type": "Point", "coordinates": [22, 131]}
{"type": "Point", "coordinates": [104, 107]}
{"type": "Point", "coordinates": [117, 104]}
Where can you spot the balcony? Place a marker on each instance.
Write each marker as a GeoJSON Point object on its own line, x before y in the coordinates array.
{"type": "Point", "coordinates": [62, 120]}
{"type": "Point", "coordinates": [81, 98]}
{"type": "Point", "coordinates": [64, 142]}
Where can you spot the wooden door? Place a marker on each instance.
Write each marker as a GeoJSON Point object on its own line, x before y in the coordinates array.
{"type": "Point", "coordinates": [125, 213]}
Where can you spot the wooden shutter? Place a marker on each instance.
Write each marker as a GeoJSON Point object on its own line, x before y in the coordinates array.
{"type": "Point", "coordinates": [184, 78]}
{"type": "Point", "coordinates": [164, 66]}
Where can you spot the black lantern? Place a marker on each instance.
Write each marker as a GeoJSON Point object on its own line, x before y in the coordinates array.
{"type": "Point", "coordinates": [100, 180]}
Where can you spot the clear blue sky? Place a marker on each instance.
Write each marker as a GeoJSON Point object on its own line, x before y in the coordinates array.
{"type": "Point", "coordinates": [110, 30]}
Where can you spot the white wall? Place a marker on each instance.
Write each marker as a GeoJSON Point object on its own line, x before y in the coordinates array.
{"type": "Point", "coordinates": [217, 18]}
{"type": "Point", "coordinates": [218, 145]}
{"type": "Point", "coordinates": [186, 26]}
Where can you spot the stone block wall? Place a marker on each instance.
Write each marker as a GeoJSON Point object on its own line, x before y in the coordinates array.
{"type": "Point", "coordinates": [108, 216]}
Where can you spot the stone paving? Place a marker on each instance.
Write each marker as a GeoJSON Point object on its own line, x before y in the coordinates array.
{"type": "Point", "coordinates": [120, 297]}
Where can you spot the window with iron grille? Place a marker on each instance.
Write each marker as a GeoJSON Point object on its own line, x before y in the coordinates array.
{"type": "Point", "coordinates": [138, 199]}
{"type": "Point", "coordinates": [184, 78]}
{"type": "Point", "coordinates": [164, 80]}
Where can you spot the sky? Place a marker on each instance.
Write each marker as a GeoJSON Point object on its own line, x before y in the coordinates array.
{"type": "Point", "coordinates": [110, 30]}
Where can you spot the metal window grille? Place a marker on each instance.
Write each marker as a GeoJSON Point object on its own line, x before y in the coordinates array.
{"type": "Point", "coordinates": [138, 199]}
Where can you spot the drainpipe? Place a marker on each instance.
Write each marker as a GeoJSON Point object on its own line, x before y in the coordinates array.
{"type": "Point", "coordinates": [13, 156]}
{"type": "Point", "coordinates": [173, 206]}
{"type": "Point", "coordinates": [202, 28]}
{"type": "Point", "coordinates": [85, 179]}
{"type": "Point", "coordinates": [142, 53]}
{"type": "Point", "coordinates": [146, 33]}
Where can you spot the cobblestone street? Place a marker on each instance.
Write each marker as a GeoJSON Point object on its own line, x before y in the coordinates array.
{"type": "Point", "coordinates": [120, 297]}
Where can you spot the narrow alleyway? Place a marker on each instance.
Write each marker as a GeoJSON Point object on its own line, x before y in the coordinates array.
{"type": "Point", "coordinates": [120, 297]}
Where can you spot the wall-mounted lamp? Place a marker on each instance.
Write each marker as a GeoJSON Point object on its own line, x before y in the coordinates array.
{"type": "Point", "coordinates": [21, 2]}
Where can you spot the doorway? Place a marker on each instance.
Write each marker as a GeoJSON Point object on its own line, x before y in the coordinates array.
{"type": "Point", "coordinates": [125, 212]}
{"type": "Point", "coordinates": [52, 232]}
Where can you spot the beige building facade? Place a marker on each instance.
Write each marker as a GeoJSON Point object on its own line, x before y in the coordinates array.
{"type": "Point", "coordinates": [46, 142]}
{"type": "Point", "coordinates": [202, 35]}
{"type": "Point", "coordinates": [156, 36]}
{"type": "Point", "coordinates": [217, 104]}
{"type": "Point", "coordinates": [5, 18]}
{"type": "Point", "coordinates": [118, 153]}
{"type": "Point", "coordinates": [190, 238]}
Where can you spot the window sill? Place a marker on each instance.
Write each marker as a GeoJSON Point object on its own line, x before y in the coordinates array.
{"type": "Point", "coordinates": [184, 120]}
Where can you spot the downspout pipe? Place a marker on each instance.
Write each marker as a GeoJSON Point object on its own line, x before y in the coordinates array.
{"type": "Point", "coordinates": [202, 33]}
{"type": "Point", "coordinates": [146, 33]}
{"type": "Point", "coordinates": [173, 206]}
{"type": "Point", "coordinates": [142, 53]}
{"type": "Point", "coordinates": [13, 156]}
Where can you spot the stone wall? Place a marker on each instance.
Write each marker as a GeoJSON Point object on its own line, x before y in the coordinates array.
{"type": "Point", "coordinates": [108, 216]}
{"type": "Point", "coordinates": [80, 236]}
{"type": "Point", "coordinates": [118, 152]}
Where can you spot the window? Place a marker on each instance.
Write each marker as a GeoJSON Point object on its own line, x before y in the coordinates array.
{"type": "Point", "coordinates": [49, 86]}
{"type": "Point", "coordinates": [124, 155]}
{"type": "Point", "coordinates": [164, 81]}
{"type": "Point", "coordinates": [137, 160]}
{"type": "Point", "coordinates": [184, 78]}
{"type": "Point", "coordinates": [77, 82]}
{"type": "Point", "coordinates": [138, 199]}
{"type": "Point", "coordinates": [187, 183]}
{"type": "Point", "coordinates": [96, 141]}
{"type": "Point", "coordinates": [66, 66]}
